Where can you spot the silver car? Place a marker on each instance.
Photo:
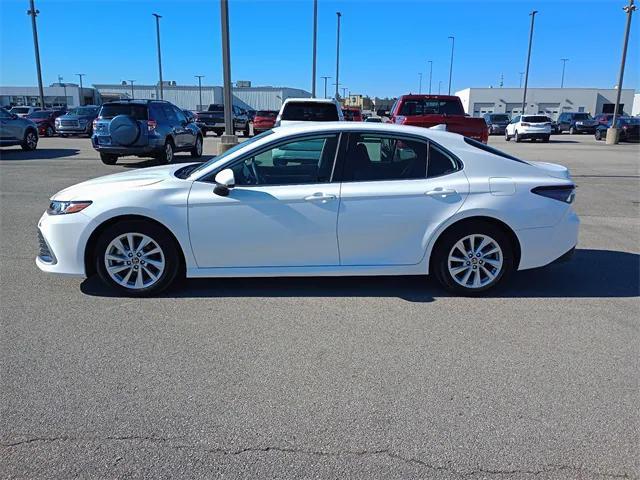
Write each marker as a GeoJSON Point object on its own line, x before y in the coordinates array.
{"type": "Point", "coordinates": [15, 130]}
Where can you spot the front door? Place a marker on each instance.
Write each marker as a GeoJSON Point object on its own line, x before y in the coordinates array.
{"type": "Point", "coordinates": [282, 211]}
{"type": "Point", "coordinates": [395, 192]}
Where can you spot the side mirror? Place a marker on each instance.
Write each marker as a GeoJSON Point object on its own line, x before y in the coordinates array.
{"type": "Point", "coordinates": [225, 181]}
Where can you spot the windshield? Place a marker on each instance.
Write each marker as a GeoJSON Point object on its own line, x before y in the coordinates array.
{"type": "Point", "coordinates": [581, 116]}
{"type": "Point", "coordinates": [41, 114]}
{"type": "Point", "coordinates": [311, 112]}
{"type": "Point", "coordinates": [135, 110]}
{"type": "Point", "coordinates": [431, 107]}
{"type": "Point", "coordinates": [536, 119]}
{"type": "Point", "coordinates": [231, 151]}
{"type": "Point", "coordinates": [499, 118]}
{"type": "Point", "coordinates": [80, 111]}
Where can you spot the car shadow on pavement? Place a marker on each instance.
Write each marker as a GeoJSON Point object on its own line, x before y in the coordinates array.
{"type": "Point", "coordinates": [178, 159]}
{"type": "Point", "coordinates": [590, 273]}
{"type": "Point", "coordinates": [38, 154]}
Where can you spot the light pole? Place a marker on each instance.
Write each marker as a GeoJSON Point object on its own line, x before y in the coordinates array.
{"type": "Point", "coordinates": [439, 86]}
{"type": "Point", "coordinates": [430, 74]}
{"type": "Point", "coordinates": [344, 93]}
{"type": "Point", "coordinates": [64, 86]}
{"type": "Point", "coordinates": [200, 77]}
{"type": "Point", "coordinates": [229, 138]}
{"type": "Point", "coordinates": [325, 85]}
{"type": "Point", "coordinates": [564, 62]}
{"type": "Point", "coordinates": [33, 13]}
{"type": "Point", "coordinates": [80, 75]}
{"type": "Point", "coordinates": [158, 17]}
{"type": "Point", "coordinates": [526, 72]}
{"type": "Point", "coordinates": [420, 85]}
{"type": "Point", "coordinates": [521, 75]}
{"type": "Point", "coordinates": [315, 43]}
{"type": "Point", "coordinates": [612, 132]}
{"type": "Point", "coordinates": [132, 95]}
{"type": "Point", "coordinates": [338, 14]}
{"type": "Point", "coordinates": [453, 42]}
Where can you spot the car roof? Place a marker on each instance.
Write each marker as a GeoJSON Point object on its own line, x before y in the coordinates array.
{"type": "Point", "coordinates": [415, 96]}
{"type": "Point", "coordinates": [314, 100]}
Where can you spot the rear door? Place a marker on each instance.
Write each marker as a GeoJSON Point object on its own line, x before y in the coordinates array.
{"type": "Point", "coordinates": [8, 127]}
{"type": "Point", "coordinates": [395, 191]}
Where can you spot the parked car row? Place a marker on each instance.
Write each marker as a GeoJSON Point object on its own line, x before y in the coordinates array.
{"type": "Point", "coordinates": [628, 129]}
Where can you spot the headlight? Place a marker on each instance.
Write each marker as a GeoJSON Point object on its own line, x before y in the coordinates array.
{"type": "Point", "coordinates": [57, 207]}
{"type": "Point", "coordinates": [57, 121]}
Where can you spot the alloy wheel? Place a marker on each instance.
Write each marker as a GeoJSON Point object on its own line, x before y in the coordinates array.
{"type": "Point", "coordinates": [199, 146]}
{"type": "Point", "coordinates": [475, 261]}
{"type": "Point", "coordinates": [134, 260]}
{"type": "Point", "coordinates": [168, 152]}
{"type": "Point", "coordinates": [31, 140]}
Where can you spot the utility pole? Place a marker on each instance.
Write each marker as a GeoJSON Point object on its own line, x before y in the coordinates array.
{"type": "Point", "coordinates": [420, 86]}
{"type": "Point", "coordinates": [344, 92]}
{"type": "Point", "coordinates": [132, 95]}
{"type": "Point", "coordinates": [229, 139]}
{"type": "Point", "coordinates": [315, 48]}
{"type": "Point", "coordinates": [81, 96]}
{"type": "Point", "coordinates": [501, 80]}
{"type": "Point", "coordinates": [158, 17]}
{"type": "Point", "coordinates": [453, 42]}
{"type": "Point", "coordinates": [338, 14]}
{"type": "Point", "coordinates": [200, 77]}
{"type": "Point", "coordinates": [325, 85]}
{"type": "Point", "coordinates": [526, 73]}
{"type": "Point", "coordinates": [564, 62]}
{"type": "Point", "coordinates": [33, 13]}
{"type": "Point", "coordinates": [64, 86]}
{"type": "Point", "coordinates": [430, 74]}
{"type": "Point", "coordinates": [439, 86]}
{"type": "Point", "coordinates": [521, 75]}
{"type": "Point", "coordinates": [612, 132]}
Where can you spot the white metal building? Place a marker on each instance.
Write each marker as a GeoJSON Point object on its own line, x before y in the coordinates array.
{"type": "Point", "coordinates": [54, 96]}
{"type": "Point", "coordinates": [549, 101]}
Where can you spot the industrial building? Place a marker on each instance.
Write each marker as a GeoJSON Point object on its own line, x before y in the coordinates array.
{"type": "Point", "coordinates": [58, 94]}
{"type": "Point", "coordinates": [548, 101]}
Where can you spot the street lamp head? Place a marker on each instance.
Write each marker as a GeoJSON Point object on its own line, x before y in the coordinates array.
{"type": "Point", "coordinates": [533, 12]}
{"type": "Point", "coordinates": [451, 37]}
{"type": "Point", "coordinates": [338, 14]}
{"type": "Point", "coordinates": [156, 15]}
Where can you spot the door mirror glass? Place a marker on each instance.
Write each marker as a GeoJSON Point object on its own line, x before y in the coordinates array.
{"type": "Point", "coordinates": [225, 181]}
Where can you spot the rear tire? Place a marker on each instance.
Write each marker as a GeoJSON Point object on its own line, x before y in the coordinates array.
{"type": "Point", "coordinates": [196, 151]}
{"type": "Point", "coordinates": [30, 140]}
{"type": "Point", "coordinates": [108, 158]}
{"type": "Point", "coordinates": [572, 131]}
{"type": "Point", "coordinates": [167, 154]}
{"type": "Point", "coordinates": [598, 135]}
{"type": "Point", "coordinates": [485, 254]}
{"type": "Point", "coordinates": [517, 137]}
{"type": "Point", "coordinates": [506, 136]}
{"type": "Point", "coordinates": [119, 264]}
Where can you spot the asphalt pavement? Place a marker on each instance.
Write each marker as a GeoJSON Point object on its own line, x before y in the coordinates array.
{"type": "Point", "coordinates": [324, 377]}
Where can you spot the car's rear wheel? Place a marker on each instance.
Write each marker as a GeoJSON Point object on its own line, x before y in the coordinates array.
{"type": "Point", "coordinates": [167, 154]}
{"type": "Point", "coordinates": [598, 135]}
{"type": "Point", "coordinates": [30, 141]}
{"type": "Point", "coordinates": [108, 158]}
{"type": "Point", "coordinates": [473, 258]}
{"type": "Point", "coordinates": [137, 258]}
{"type": "Point", "coordinates": [196, 151]}
{"type": "Point", "coordinates": [517, 137]}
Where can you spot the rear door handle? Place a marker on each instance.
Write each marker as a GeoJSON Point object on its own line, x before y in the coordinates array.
{"type": "Point", "coordinates": [441, 192]}
{"type": "Point", "coordinates": [320, 197]}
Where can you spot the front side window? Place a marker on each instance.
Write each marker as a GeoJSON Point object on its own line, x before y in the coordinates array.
{"type": "Point", "coordinates": [373, 157]}
{"type": "Point", "coordinates": [170, 113]}
{"type": "Point", "coordinates": [302, 161]}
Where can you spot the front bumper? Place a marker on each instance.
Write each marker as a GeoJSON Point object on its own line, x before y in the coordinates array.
{"type": "Point", "coordinates": [62, 243]}
{"type": "Point", "coordinates": [542, 246]}
{"type": "Point", "coordinates": [73, 130]}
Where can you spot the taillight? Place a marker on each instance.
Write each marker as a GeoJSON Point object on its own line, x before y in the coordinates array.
{"type": "Point", "coordinates": [152, 124]}
{"type": "Point", "coordinates": [525, 124]}
{"type": "Point", "coordinates": [562, 193]}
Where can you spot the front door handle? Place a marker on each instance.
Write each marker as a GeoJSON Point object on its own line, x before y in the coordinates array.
{"type": "Point", "coordinates": [320, 197]}
{"type": "Point", "coordinates": [441, 192]}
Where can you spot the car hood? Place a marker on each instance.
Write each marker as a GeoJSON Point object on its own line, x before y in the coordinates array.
{"type": "Point", "coordinates": [117, 183]}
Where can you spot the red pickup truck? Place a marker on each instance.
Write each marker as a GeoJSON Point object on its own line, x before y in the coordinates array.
{"type": "Point", "coordinates": [431, 110]}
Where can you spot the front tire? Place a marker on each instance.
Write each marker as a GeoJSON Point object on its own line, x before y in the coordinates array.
{"type": "Point", "coordinates": [545, 139]}
{"type": "Point", "coordinates": [572, 131]}
{"type": "Point", "coordinates": [506, 136]}
{"type": "Point", "coordinates": [30, 141]}
{"type": "Point", "coordinates": [49, 132]}
{"type": "Point", "coordinates": [473, 258]}
{"type": "Point", "coordinates": [137, 258]}
{"type": "Point", "coordinates": [598, 135]}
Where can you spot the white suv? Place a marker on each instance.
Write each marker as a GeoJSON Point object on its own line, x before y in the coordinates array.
{"type": "Point", "coordinates": [295, 110]}
{"type": "Point", "coordinates": [528, 126]}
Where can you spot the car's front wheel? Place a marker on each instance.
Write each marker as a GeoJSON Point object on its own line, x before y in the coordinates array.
{"type": "Point", "coordinates": [506, 136]}
{"type": "Point", "coordinates": [137, 258]}
{"type": "Point", "coordinates": [598, 135]}
{"type": "Point", "coordinates": [30, 141]}
{"type": "Point", "coordinates": [473, 258]}
{"type": "Point", "coordinates": [49, 132]}
{"type": "Point", "coordinates": [572, 131]}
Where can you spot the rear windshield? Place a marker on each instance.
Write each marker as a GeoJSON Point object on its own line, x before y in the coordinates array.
{"type": "Point", "coordinates": [20, 110]}
{"type": "Point", "coordinates": [431, 107]}
{"type": "Point", "coordinates": [581, 116]}
{"type": "Point", "coordinates": [139, 112]}
{"type": "Point", "coordinates": [495, 151]}
{"type": "Point", "coordinates": [311, 112]}
{"type": "Point", "coordinates": [216, 108]}
{"type": "Point", "coordinates": [41, 114]}
{"type": "Point", "coordinates": [266, 113]}
{"type": "Point", "coordinates": [536, 119]}
{"type": "Point", "coordinates": [499, 118]}
{"type": "Point", "coordinates": [630, 121]}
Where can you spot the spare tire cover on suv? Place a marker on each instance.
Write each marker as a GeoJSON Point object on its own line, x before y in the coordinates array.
{"type": "Point", "coordinates": [124, 130]}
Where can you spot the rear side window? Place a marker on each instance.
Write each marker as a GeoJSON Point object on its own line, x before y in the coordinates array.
{"type": "Point", "coordinates": [440, 162]}
{"type": "Point", "coordinates": [431, 107]}
{"type": "Point", "coordinates": [157, 113]}
{"type": "Point", "coordinates": [310, 111]}
{"type": "Point", "coordinates": [170, 113]}
{"type": "Point", "coordinates": [139, 112]}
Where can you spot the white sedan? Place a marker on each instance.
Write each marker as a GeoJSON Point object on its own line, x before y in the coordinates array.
{"type": "Point", "coordinates": [318, 200]}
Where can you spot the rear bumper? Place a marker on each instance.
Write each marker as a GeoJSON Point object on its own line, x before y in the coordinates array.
{"type": "Point", "coordinates": [584, 129]}
{"type": "Point", "coordinates": [151, 148]}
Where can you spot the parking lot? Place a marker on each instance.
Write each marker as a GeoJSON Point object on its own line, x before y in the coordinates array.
{"type": "Point", "coordinates": [325, 377]}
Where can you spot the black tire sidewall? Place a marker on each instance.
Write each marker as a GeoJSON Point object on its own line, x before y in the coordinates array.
{"type": "Point", "coordinates": [194, 150]}
{"type": "Point", "coordinates": [163, 155]}
{"type": "Point", "coordinates": [159, 235]}
{"type": "Point", "coordinates": [108, 159]}
{"type": "Point", "coordinates": [440, 256]}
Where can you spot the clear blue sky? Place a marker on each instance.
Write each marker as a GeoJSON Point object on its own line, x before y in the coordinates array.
{"type": "Point", "coordinates": [385, 43]}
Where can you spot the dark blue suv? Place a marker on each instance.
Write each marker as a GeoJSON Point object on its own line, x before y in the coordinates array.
{"type": "Point", "coordinates": [144, 128]}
